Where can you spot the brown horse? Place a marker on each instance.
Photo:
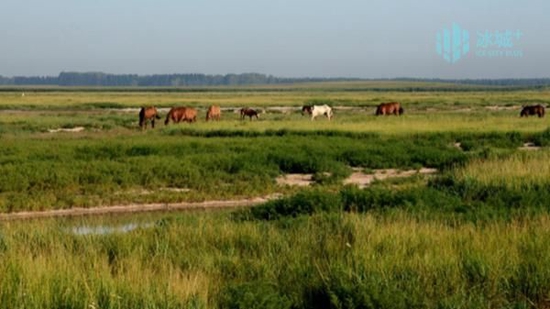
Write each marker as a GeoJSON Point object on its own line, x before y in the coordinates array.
{"type": "Point", "coordinates": [178, 114]}
{"type": "Point", "coordinates": [213, 113]}
{"type": "Point", "coordinates": [389, 108]}
{"type": "Point", "coordinates": [245, 111]}
{"type": "Point", "coordinates": [306, 109]}
{"type": "Point", "coordinates": [532, 110]}
{"type": "Point", "coordinates": [146, 114]}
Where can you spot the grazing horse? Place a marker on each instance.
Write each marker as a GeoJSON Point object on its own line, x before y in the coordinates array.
{"type": "Point", "coordinates": [148, 113]}
{"type": "Point", "coordinates": [306, 109]}
{"type": "Point", "coordinates": [389, 108]}
{"type": "Point", "coordinates": [178, 114]}
{"type": "Point", "coordinates": [317, 110]}
{"type": "Point", "coordinates": [213, 113]}
{"type": "Point", "coordinates": [532, 110]}
{"type": "Point", "coordinates": [245, 111]}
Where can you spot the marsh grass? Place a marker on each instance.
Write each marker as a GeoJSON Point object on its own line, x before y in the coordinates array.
{"type": "Point", "coordinates": [86, 170]}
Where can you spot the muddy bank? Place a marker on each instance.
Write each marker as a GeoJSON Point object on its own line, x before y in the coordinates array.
{"type": "Point", "coordinates": [137, 208]}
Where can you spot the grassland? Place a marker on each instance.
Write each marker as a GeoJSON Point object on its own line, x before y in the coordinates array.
{"type": "Point", "coordinates": [474, 236]}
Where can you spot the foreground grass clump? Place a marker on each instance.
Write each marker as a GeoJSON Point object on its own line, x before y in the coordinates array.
{"type": "Point", "coordinates": [326, 260]}
{"type": "Point", "coordinates": [507, 183]}
{"type": "Point", "coordinates": [520, 171]}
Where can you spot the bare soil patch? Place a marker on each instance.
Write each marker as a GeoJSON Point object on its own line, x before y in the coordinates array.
{"type": "Point", "coordinates": [362, 179]}
{"type": "Point", "coordinates": [70, 130]}
{"type": "Point", "coordinates": [358, 177]}
{"type": "Point", "coordinates": [529, 147]}
{"type": "Point", "coordinates": [502, 107]}
{"type": "Point", "coordinates": [301, 180]}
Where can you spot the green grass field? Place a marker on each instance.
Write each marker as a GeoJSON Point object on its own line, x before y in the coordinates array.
{"type": "Point", "coordinates": [475, 235]}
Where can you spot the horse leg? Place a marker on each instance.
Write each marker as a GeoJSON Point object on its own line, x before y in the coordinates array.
{"type": "Point", "coordinates": [153, 123]}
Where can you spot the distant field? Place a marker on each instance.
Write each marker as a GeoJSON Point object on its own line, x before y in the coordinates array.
{"type": "Point", "coordinates": [412, 95]}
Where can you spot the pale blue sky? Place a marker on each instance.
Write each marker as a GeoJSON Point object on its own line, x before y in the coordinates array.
{"type": "Point", "coordinates": [299, 38]}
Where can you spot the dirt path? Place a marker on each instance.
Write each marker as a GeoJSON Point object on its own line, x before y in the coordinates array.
{"type": "Point", "coordinates": [136, 208]}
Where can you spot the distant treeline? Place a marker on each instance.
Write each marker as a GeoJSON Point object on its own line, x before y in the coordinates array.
{"type": "Point", "coordinates": [162, 80]}
{"type": "Point", "coordinates": [175, 80]}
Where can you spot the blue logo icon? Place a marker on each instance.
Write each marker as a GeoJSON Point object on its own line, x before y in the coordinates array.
{"type": "Point", "coordinates": [452, 44]}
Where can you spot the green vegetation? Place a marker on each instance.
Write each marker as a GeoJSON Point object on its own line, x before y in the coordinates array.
{"type": "Point", "coordinates": [113, 170]}
{"type": "Point", "coordinates": [476, 235]}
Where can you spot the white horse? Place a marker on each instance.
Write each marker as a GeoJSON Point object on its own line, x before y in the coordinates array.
{"type": "Point", "coordinates": [317, 110]}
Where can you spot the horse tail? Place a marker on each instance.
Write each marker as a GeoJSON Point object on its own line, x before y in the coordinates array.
{"type": "Point", "coordinates": [168, 117]}
{"type": "Point", "coordinates": [401, 110]}
{"type": "Point", "coordinates": [141, 117]}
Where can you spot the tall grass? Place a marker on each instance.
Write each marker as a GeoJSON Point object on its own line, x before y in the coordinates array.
{"type": "Point", "coordinates": [520, 171]}
{"type": "Point", "coordinates": [322, 261]}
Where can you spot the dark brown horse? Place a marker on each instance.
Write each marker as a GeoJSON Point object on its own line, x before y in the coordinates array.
{"type": "Point", "coordinates": [389, 108]}
{"type": "Point", "coordinates": [532, 110]}
{"type": "Point", "coordinates": [245, 111]}
{"type": "Point", "coordinates": [178, 114]}
{"type": "Point", "coordinates": [146, 114]}
{"type": "Point", "coordinates": [306, 109]}
{"type": "Point", "coordinates": [213, 113]}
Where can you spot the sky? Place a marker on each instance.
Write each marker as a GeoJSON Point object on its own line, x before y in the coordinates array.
{"type": "Point", "coordinates": [298, 38]}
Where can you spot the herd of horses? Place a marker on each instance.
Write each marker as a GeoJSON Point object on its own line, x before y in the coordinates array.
{"type": "Point", "coordinates": [188, 114]}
